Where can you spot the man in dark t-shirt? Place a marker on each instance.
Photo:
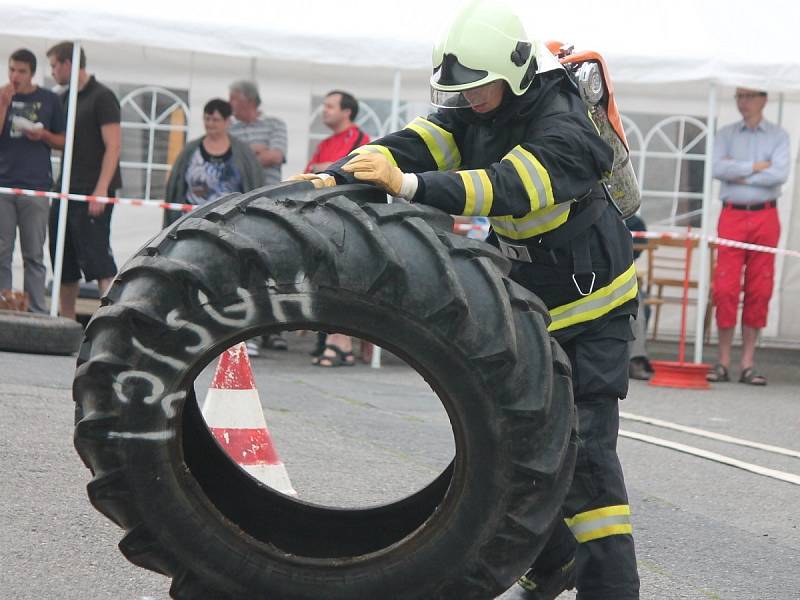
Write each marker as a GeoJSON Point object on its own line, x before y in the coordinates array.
{"type": "Point", "coordinates": [31, 123]}
{"type": "Point", "coordinates": [95, 171]}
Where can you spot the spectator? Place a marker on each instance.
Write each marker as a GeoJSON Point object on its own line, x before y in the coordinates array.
{"type": "Point", "coordinates": [31, 123]}
{"type": "Point", "coordinates": [265, 135]}
{"type": "Point", "coordinates": [639, 366]}
{"type": "Point", "coordinates": [751, 159]}
{"type": "Point", "coordinates": [267, 139]}
{"type": "Point", "coordinates": [339, 110]}
{"type": "Point", "coordinates": [95, 171]}
{"type": "Point", "coordinates": [212, 165]}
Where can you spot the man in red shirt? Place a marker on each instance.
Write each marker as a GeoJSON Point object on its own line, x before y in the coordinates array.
{"type": "Point", "coordinates": [339, 110]}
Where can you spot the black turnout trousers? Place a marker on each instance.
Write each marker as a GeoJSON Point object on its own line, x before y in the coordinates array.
{"type": "Point", "coordinates": [599, 532]}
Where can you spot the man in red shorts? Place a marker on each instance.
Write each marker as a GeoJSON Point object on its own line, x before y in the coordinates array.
{"type": "Point", "coordinates": [751, 159]}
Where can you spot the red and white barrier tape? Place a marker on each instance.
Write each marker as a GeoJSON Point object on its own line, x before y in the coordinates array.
{"type": "Point", "coordinates": [482, 229]}
{"type": "Point", "coordinates": [463, 228]}
{"type": "Point", "coordinates": [98, 199]}
{"type": "Point", "coordinates": [713, 240]}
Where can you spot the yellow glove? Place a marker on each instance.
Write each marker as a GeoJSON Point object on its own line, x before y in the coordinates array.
{"type": "Point", "coordinates": [315, 180]}
{"type": "Point", "coordinates": [376, 168]}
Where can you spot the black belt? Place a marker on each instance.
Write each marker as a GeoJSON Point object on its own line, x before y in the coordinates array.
{"type": "Point", "coordinates": [540, 249]}
{"type": "Point", "coordinates": [758, 206]}
{"type": "Point", "coordinates": [525, 253]}
{"type": "Point", "coordinates": [572, 235]}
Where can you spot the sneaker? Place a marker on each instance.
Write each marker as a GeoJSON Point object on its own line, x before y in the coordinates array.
{"type": "Point", "coordinates": [640, 368]}
{"type": "Point", "coordinates": [252, 348]}
{"type": "Point", "coordinates": [275, 341]}
{"type": "Point", "coordinates": [544, 587]}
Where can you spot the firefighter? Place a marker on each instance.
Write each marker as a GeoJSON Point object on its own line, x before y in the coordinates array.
{"type": "Point", "coordinates": [512, 140]}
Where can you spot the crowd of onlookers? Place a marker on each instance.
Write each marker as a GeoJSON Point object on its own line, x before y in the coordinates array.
{"type": "Point", "coordinates": [243, 149]}
{"type": "Point", "coordinates": [33, 124]}
{"type": "Point", "coordinates": [240, 150]}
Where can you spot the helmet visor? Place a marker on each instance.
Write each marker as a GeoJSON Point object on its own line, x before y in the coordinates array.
{"type": "Point", "coordinates": [478, 98]}
{"type": "Point", "coordinates": [442, 99]}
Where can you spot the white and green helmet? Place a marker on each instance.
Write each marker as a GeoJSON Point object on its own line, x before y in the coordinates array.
{"type": "Point", "coordinates": [485, 42]}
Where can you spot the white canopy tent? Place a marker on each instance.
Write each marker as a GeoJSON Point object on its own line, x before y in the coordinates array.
{"type": "Point", "coordinates": [680, 41]}
{"type": "Point", "coordinates": [680, 48]}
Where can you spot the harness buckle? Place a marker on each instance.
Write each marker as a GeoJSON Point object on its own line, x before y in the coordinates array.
{"type": "Point", "coordinates": [516, 251]}
{"type": "Point", "coordinates": [578, 286]}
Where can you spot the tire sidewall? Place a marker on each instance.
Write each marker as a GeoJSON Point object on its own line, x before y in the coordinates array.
{"type": "Point", "coordinates": [165, 489]}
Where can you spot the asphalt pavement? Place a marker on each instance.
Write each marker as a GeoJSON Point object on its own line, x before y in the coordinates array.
{"type": "Point", "coordinates": [359, 436]}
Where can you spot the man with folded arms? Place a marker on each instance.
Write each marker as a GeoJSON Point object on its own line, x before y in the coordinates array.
{"type": "Point", "coordinates": [751, 159]}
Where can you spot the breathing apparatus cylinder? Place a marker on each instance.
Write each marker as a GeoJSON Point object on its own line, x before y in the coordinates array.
{"type": "Point", "coordinates": [621, 183]}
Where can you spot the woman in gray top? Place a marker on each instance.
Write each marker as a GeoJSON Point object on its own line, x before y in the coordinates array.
{"type": "Point", "coordinates": [212, 166]}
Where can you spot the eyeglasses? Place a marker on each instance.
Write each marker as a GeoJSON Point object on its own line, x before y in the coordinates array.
{"type": "Point", "coordinates": [748, 95]}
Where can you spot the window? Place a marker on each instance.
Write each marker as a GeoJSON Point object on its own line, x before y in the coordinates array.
{"type": "Point", "coordinates": [154, 129]}
{"type": "Point", "coordinates": [669, 160]}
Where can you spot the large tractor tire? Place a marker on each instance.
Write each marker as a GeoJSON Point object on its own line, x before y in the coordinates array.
{"type": "Point", "coordinates": [291, 257]}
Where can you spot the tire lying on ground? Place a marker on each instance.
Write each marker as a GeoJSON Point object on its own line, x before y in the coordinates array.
{"type": "Point", "coordinates": [290, 257]}
{"type": "Point", "coordinates": [38, 334]}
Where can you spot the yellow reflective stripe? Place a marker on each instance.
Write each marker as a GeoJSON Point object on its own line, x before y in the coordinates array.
{"type": "Point", "coordinates": [601, 522]}
{"type": "Point", "coordinates": [598, 513]}
{"type": "Point", "coordinates": [469, 191]}
{"type": "Point", "coordinates": [440, 143]}
{"type": "Point", "coordinates": [598, 303]}
{"type": "Point", "coordinates": [376, 148]}
{"type": "Point", "coordinates": [602, 532]}
{"type": "Point", "coordinates": [488, 193]}
{"type": "Point", "coordinates": [534, 177]}
{"type": "Point", "coordinates": [479, 193]}
{"type": "Point", "coordinates": [533, 224]}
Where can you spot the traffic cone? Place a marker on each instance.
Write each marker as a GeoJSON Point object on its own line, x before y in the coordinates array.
{"type": "Point", "coordinates": [234, 415]}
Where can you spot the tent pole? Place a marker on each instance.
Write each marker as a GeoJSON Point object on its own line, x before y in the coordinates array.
{"type": "Point", "coordinates": [394, 122]}
{"type": "Point", "coordinates": [66, 173]}
{"type": "Point", "coordinates": [702, 281]}
{"type": "Point", "coordinates": [394, 125]}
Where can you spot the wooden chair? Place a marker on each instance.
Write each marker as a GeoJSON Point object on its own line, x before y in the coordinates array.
{"type": "Point", "coordinates": [663, 282]}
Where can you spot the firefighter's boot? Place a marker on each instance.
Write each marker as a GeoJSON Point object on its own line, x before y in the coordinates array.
{"type": "Point", "coordinates": [547, 586]}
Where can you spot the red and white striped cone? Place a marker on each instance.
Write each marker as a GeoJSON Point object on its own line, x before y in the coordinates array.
{"type": "Point", "coordinates": [234, 415]}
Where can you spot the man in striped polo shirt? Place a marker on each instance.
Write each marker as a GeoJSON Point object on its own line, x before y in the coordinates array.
{"type": "Point", "coordinates": [265, 135]}
{"type": "Point", "coordinates": [267, 139]}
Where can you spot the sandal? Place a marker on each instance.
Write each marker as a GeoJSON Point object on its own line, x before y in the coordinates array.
{"type": "Point", "coordinates": [340, 358]}
{"type": "Point", "coordinates": [751, 377]}
{"type": "Point", "coordinates": [718, 374]}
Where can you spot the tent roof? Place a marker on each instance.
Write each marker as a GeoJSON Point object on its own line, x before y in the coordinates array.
{"type": "Point", "coordinates": [731, 42]}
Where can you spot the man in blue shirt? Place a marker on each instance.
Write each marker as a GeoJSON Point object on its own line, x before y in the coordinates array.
{"type": "Point", "coordinates": [751, 159]}
{"type": "Point", "coordinates": [31, 123]}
